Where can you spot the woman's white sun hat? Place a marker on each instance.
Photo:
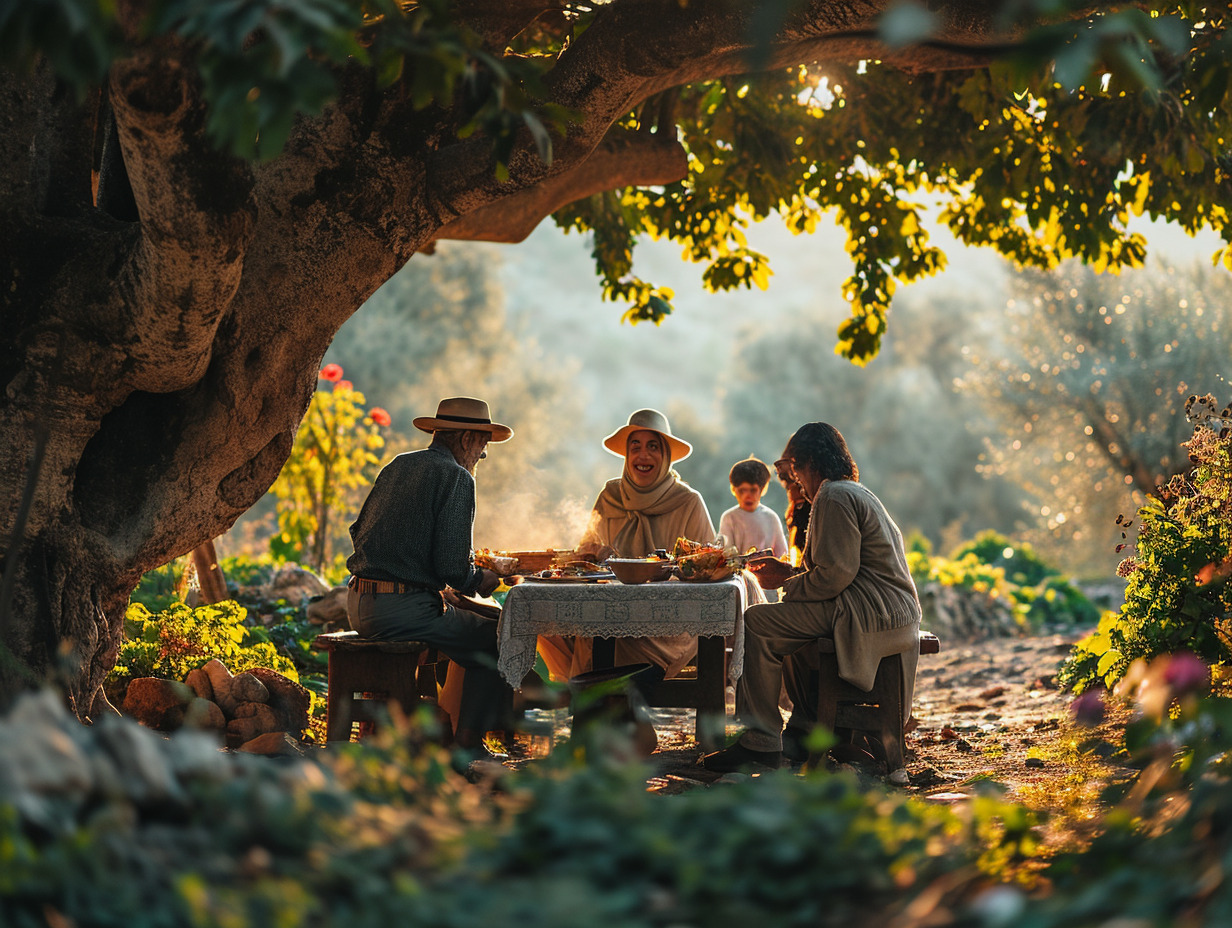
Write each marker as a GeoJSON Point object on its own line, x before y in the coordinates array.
{"type": "Point", "coordinates": [655, 421]}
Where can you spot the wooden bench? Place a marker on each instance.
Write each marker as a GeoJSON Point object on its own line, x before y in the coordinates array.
{"type": "Point", "coordinates": [365, 674]}
{"type": "Point", "coordinates": [845, 709]}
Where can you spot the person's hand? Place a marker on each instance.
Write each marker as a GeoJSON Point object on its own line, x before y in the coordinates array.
{"type": "Point", "coordinates": [770, 572]}
{"type": "Point", "coordinates": [491, 580]}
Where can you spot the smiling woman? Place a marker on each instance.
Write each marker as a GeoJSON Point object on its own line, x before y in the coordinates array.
{"type": "Point", "coordinates": [647, 507]}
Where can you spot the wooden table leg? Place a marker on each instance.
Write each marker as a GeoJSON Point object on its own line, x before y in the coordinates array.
{"type": "Point", "coordinates": [711, 692]}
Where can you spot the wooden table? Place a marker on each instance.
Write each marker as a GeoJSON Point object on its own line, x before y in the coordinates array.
{"type": "Point", "coordinates": [606, 611]}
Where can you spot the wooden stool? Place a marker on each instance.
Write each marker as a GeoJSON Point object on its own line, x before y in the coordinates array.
{"type": "Point", "coordinates": [844, 708]}
{"type": "Point", "coordinates": [364, 674]}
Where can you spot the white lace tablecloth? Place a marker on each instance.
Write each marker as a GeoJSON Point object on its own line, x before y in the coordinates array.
{"type": "Point", "coordinates": [617, 610]}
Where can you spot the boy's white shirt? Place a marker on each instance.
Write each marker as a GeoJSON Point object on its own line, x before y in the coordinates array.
{"type": "Point", "coordinates": [762, 528]}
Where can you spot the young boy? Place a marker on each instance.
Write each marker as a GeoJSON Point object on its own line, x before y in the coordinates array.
{"type": "Point", "coordinates": [750, 525]}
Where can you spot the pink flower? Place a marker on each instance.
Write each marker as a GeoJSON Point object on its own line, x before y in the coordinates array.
{"type": "Point", "coordinates": [344, 385]}
{"type": "Point", "coordinates": [1187, 673]}
{"type": "Point", "coordinates": [1088, 709]}
{"type": "Point", "coordinates": [331, 372]}
{"type": "Point", "coordinates": [379, 416]}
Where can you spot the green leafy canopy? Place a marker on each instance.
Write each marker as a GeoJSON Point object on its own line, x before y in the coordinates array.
{"type": "Point", "coordinates": [1044, 148]}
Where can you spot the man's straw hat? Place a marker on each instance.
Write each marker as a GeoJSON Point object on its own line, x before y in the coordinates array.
{"type": "Point", "coordinates": [463, 412]}
{"type": "Point", "coordinates": [655, 421]}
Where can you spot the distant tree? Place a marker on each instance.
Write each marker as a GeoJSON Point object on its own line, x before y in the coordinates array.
{"type": "Point", "coordinates": [195, 196]}
{"type": "Point", "coordinates": [1090, 389]}
{"type": "Point", "coordinates": [918, 440]}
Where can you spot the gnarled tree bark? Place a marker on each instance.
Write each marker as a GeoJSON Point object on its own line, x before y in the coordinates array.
{"type": "Point", "coordinates": [169, 339]}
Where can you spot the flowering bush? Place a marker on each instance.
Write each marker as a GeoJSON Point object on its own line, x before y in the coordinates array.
{"type": "Point", "coordinates": [170, 643]}
{"type": "Point", "coordinates": [334, 456]}
{"type": "Point", "coordinates": [1177, 594]}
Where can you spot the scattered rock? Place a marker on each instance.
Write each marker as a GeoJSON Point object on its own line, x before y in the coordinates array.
{"type": "Point", "coordinates": [199, 682]}
{"type": "Point", "coordinates": [993, 692]}
{"type": "Point", "coordinates": [246, 687]}
{"type": "Point", "coordinates": [157, 703]}
{"type": "Point", "coordinates": [204, 714]}
{"type": "Point", "coordinates": [329, 609]}
{"type": "Point", "coordinates": [288, 699]}
{"type": "Point", "coordinates": [273, 743]}
{"type": "Point", "coordinates": [220, 680]}
{"type": "Point", "coordinates": [957, 614]}
{"type": "Point", "coordinates": [1034, 762]}
{"type": "Point", "coordinates": [295, 584]}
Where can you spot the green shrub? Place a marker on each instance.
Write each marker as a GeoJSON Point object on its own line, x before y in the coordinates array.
{"type": "Point", "coordinates": [171, 643]}
{"type": "Point", "coordinates": [1021, 564]}
{"type": "Point", "coordinates": [1177, 595]}
{"type": "Point", "coordinates": [159, 588]}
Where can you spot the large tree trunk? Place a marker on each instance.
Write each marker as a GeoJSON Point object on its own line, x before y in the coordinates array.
{"type": "Point", "coordinates": [168, 334]}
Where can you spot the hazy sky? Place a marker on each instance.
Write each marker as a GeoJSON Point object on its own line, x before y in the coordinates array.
{"type": "Point", "coordinates": [553, 297]}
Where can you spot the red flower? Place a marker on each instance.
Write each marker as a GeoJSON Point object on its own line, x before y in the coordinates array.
{"type": "Point", "coordinates": [1088, 709]}
{"type": "Point", "coordinates": [344, 385]}
{"type": "Point", "coordinates": [379, 416]}
{"type": "Point", "coordinates": [331, 372]}
{"type": "Point", "coordinates": [1187, 673]}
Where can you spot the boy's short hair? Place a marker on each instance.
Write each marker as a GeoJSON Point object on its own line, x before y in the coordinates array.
{"type": "Point", "coordinates": [750, 470]}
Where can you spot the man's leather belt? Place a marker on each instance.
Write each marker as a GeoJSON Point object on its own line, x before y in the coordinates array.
{"type": "Point", "coordinates": [363, 585]}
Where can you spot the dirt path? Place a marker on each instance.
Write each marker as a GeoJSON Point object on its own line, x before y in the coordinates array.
{"type": "Point", "coordinates": [988, 712]}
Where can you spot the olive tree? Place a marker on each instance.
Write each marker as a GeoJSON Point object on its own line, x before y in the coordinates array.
{"type": "Point", "coordinates": [194, 196]}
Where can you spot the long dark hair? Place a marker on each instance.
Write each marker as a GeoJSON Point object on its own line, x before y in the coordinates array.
{"type": "Point", "coordinates": [821, 447]}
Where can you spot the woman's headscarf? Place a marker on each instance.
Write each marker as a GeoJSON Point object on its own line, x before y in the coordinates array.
{"type": "Point", "coordinates": [624, 512]}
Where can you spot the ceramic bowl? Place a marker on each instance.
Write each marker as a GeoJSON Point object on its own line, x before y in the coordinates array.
{"type": "Point", "coordinates": [639, 569]}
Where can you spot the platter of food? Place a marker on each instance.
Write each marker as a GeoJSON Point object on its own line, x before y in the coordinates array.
{"type": "Point", "coordinates": [570, 570]}
{"type": "Point", "coordinates": [704, 563]}
{"type": "Point", "coordinates": [570, 574]}
{"type": "Point", "coordinates": [502, 565]}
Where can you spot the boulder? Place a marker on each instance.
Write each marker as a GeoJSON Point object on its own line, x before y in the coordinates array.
{"type": "Point", "coordinates": [204, 714]}
{"type": "Point", "coordinates": [295, 584]}
{"type": "Point", "coordinates": [329, 609]}
{"type": "Point", "coordinates": [290, 701]}
{"type": "Point", "coordinates": [140, 760]}
{"type": "Point", "coordinates": [257, 719]}
{"type": "Point", "coordinates": [273, 743]}
{"type": "Point", "coordinates": [220, 680]}
{"type": "Point", "coordinates": [957, 614]}
{"type": "Point", "coordinates": [245, 687]}
{"type": "Point", "coordinates": [199, 682]}
{"type": "Point", "coordinates": [157, 703]}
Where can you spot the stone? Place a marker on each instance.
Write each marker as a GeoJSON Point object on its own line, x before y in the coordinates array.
{"type": "Point", "coordinates": [295, 584]}
{"type": "Point", "coordinates": [157, 703]}
{"type": "Point", "coordinates": [220, 680]}
{"type": "Point", "coordinates": [242, 730]}
{"type": "Point", "coordinates": [290, 701]}
{"type": "Point", "coordinates": [246, 687]}
{"type": "Point", "coordinates": [329, 609]}
{"type": "Point", "coordinates": [195, 757]}
{"type": "Point", "coordinates": [43, 760]}
{"type": "Point", "coordinates": [262, 714]}
{"type": "Point", "coordinates": [204, 714]}
{"type": "Point", "coordinates": [199, 682]}
{"type": "Point", "coordinates": [273, 743]}
{"type": "Point", "coordinates": [140, 759]}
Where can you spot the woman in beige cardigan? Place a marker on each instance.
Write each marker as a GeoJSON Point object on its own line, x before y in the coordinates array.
{"type": "Point", "coordinates": [854, 586]}
{"type": "Point", "coordinates": [647, 507]}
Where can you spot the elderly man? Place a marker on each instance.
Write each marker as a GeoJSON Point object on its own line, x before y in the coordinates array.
{"type": "Point", "coordinates": [413, 543]}
{"type": "Point", "coordinates": [854, 587]}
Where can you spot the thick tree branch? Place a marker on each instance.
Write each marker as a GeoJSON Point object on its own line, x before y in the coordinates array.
{"type": "Point", "coordinates": [636, 48]}
{"type": "Point", "coordinates": [196, 213]}
{"type": "Point", "coordinates": [498, 23]}
{"type": "Point", "coordinates": [623, 159]}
